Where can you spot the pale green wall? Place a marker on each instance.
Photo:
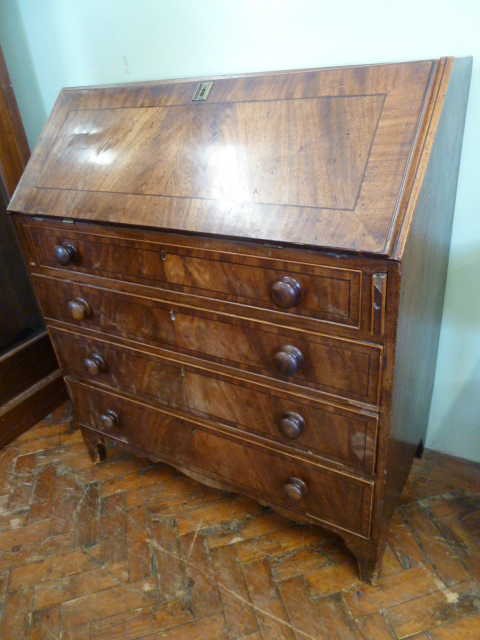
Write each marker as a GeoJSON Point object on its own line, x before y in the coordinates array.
{"type": "Point", "coordinates": [53, 43]}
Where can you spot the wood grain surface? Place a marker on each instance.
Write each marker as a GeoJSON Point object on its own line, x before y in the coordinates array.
{"type": "Point", "coordinates": [250, 289]}
{"type": "Point", "coordinates": [194, 562]}
{"type": "Point", "coordinates": [336, 498]}
{"type": "Point", "coordinates": [341, 434]}
{"type": "Point", "coordinates": [340, 367]}
{"type": "Point", "coordinates": [315, 159]}
{"type": "Point", "coordinates": [326, 292]}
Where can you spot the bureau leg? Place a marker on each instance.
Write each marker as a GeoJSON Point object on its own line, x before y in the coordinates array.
{"type": "Point", "coordinates": [420, 450]}
{"type": "Point", "coordinates": [369, 569]}
{"type": "Point", "coordinates": [95, 445]}
{"type": "Point", "coordinates": [369, 556]}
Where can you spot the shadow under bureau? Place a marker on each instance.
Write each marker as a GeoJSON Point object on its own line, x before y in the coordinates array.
{"type": "Point", "coordinates": [243, 277]}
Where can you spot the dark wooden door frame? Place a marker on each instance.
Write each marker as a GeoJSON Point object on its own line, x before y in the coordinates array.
{"type": "Point", "coordinates": [14, 149]}
{"type": "Point", "coordinates": [31, 385]}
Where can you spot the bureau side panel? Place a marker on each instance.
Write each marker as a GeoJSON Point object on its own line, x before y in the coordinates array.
{"type": "Point", "coordinates": [421, 279]}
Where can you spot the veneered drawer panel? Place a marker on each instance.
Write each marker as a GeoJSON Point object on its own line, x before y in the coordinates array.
{"type": "Point", "coordinates": [341, 367]}
{"type": "Point", "coordinates": [324, 292]}
{"type": "Point", "coordinates": [332, 497]}
{"type": "Point", "coordinates": [346, 436]}
{"type": "Point", "coordinates": [115, 313]}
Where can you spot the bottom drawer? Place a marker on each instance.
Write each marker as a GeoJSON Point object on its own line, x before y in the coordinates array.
{"type": "Point", "coordinates": [288, 481]}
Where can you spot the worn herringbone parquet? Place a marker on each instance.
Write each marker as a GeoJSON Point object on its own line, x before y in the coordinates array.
{"type": "Point", "coordinates": [129, 550]}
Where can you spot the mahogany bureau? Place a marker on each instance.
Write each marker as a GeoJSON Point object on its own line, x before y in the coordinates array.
{"type": "Point", "coordinates": [243, 277]}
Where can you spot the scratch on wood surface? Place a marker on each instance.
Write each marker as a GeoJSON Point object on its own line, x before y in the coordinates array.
{"type": "Point", "coordinates": [298, 632]}
{"type": "Point", "coordinates": [194, 538]}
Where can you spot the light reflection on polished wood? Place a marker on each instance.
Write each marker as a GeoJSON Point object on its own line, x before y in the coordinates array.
{"type": "Point", "coordinates": [255, 288]}
{"type": "Point", "coordinates": [349, 132]}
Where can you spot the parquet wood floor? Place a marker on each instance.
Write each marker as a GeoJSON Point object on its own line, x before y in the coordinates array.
{"type": "Point", "coordinates": [128, 549]}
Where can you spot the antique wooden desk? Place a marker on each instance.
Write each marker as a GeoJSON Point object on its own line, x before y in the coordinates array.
{"type": "Point", "coordinates": [249, 285]}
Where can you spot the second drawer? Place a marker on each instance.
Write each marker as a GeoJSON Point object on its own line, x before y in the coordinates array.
{"type": "Point", "coordinates": [339, 367]}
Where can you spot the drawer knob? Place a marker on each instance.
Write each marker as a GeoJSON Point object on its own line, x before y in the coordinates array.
{"type": "Point", "coordinates": [295, 489]}
{"type": "Point", "coordinates": [94, 364]}
{"type": "Point", "coordinates": [79, 308]}
{"type": "Point", "coordinates": [64, 253]}
{"type": "Point", "coordinates": [108, 420]}
{"type": "Point", "coordinates": [291, 425]}
{"type": "Point", "coordinates": [288, 360]}
{"type": "Point", "coordinates": [286, 292]}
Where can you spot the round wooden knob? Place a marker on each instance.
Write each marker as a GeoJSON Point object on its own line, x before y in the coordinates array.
{"type": "Point", "coordinates": [291, 425]}
{"type": "Point", "coordinates": [64, 253]}
{"type": "Point", "coordinates": [94, 364]}
{"type": "Point", "coordinates": [108, 420]}
{"type": "Point", "coordinates": [288, 360]}
{"type": "Point", "coordinates": [79, 308]}
{"type": "Point", "coordinates": [295, 489]}
{"type": "Point", "coordinates": [286, 292]}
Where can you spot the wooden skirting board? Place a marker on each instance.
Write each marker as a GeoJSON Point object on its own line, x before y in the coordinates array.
{"type": "Point", "coordinates": [31, 386]}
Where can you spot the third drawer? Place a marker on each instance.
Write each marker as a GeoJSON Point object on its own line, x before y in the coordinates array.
{"type": "Point", "coordinates": [344, 436]}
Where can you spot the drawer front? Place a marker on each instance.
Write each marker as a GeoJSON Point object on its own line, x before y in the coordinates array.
{"type": "Point", "coordinates": [277, 478]}
{"type": "Point", "coordinates": [347, 437]}
{"type": "Point", "coordinates": [326, 293]}
{"type": "Point", "coordinates": [340, 367]}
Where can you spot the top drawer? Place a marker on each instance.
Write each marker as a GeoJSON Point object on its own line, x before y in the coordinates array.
{"type": "Point", "coordinates": [300, 288]}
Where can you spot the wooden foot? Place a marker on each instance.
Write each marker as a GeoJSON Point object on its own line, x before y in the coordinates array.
{"type": "Point", "coordinates": [95, 445]}
{"type": "Point", "coordinates": [420, 450]}
{"type": "Point", "coordinates": [369, 556]}
{"type": "Point", "coordinates": [368, 570]}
